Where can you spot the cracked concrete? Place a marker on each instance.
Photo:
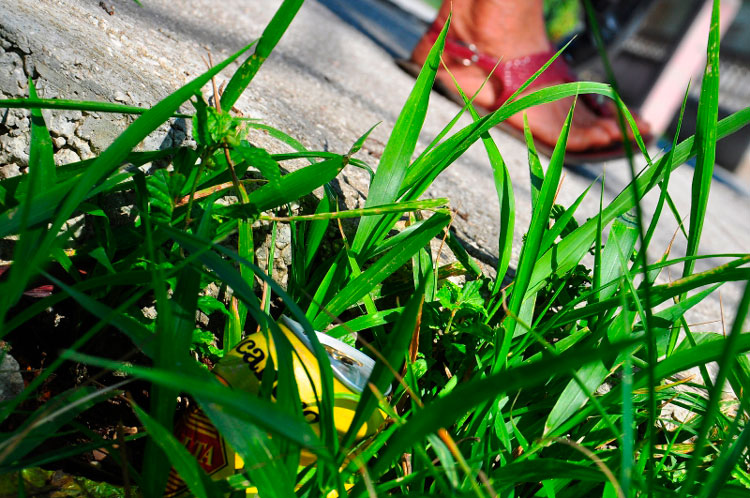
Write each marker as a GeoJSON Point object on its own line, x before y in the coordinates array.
{"type": "Point", "coordinates": [325, 85]}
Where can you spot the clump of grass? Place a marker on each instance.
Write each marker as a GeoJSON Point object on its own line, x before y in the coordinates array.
{"type": "Point", "coordinates": [551, 386]}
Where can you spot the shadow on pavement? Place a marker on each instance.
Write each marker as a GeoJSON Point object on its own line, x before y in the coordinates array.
{"type": "Point", "coordinates": [393, 29]}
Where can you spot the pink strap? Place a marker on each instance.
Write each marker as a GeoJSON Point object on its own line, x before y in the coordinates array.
{"type": "Point", "coordinates": [511, 73]}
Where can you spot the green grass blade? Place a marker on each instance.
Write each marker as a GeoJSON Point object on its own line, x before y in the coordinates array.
{"type": "Point", "coordinates": [442, 412]}
{"type": "Point", "coordinates": [621, 241]}
{"type": "Point", "coordinates": [281, 136]}
{"type": "Point", "coordinates": [289, 188]}
{"type": "Point", "coordinates": [535, 165]}
{"type": "Point", "coordinates": [62, 202]}
{"type": "Point", "coordinates": [397, 154]}
{"type": "Point", "coordinates": [41, 155]}
{"type": "Point", "coordinates": [705, 139]}
{"type": "Point", "coordinates": [201, 384]}
{"type": "Point", "coordinates": [597, 276]}
{"type": "Point", "coordinates": [397, 207]}
{"type": "Point", "coordinates": [463, 257]}
{"type": "Point", "coordinates": [264, 467]}
{"type": "Point", "coordinates": [328, 284]}
{"type": "Point", "coordinates": [732, 348]}
{"type": "Point", "coordinates": [722, 470]}
{"type": "Point", "coordinates": [507, 203]}
{"type": "Point", "coordinates": [382, 375]}
{"type": "Point", "coordinates": [162, 399]}
{"type": "Point", "coordinates": [668, 163]}
{"type": "Point", "coordinates": [76, 105]}
{"type": "Point", "coordinates": [568, 253]}
{"type": "Point", "coordinates": [48, 419]}
{"type": "Point", "coordinates": [41, 176]}
{"type": "Point", "coordinates": [533, 471]}
{"type": "Point", "coordinates": [381, 269]}
{"type": "Point", "coordinates": [268, 40]}
{"type": "Point", "coordinates": [366, 322]}
{"type": "Point", "coordinates": [575, 395]}
{"type": "Point", "coordinates": [395, 240]}
{"type": "Point", "coordinates": [317, 229]}
{"type": "Point", "coordinates": [562, 222]}
{"type": "Point", "coordinates": [504, 189]}
{"type": "Point", "coordinates": [530, 250]}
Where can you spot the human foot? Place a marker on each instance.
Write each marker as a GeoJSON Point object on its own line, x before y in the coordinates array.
{"type": "Point", "coordinates": [522, 43]}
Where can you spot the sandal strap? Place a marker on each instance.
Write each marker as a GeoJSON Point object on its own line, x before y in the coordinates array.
{"type": "Point", "coordinates": [512, 73]}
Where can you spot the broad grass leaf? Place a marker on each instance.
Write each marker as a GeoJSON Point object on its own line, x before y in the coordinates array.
{"type": "Point", "coordinates": [289, 188]}
{"type": "Point", "coordinates": [573, 396]}
{"type": "Point", "coordinates": [530, 250]}
{"type": "Point", "coordinates": [705, 139]}
{"type": "Point", "coordinates": [446, 459]}
{"type": "Point", "coordinates": [364, 322]}
{"type": "Point", "coordinates": [621, 242]}
{"type": "Point", "coordinates": [268, 40]}
{"type": "Point", "coordinates": [40, 177]}
{"type": "Point", "coordinates": [264, 465]}
{"type": "Point", "coordinates": [394, 162]}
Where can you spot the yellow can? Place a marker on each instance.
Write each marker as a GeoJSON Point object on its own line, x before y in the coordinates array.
{"type": "Point", "coordinates": [242, 369]}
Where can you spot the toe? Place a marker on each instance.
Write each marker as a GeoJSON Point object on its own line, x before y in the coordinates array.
{"type": "Point", "coordinates": [611, 128]}
{"type": "Point", "coordinates": [590, 137]}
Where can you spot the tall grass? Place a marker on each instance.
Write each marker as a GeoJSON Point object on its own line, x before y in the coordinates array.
{"type": "Point", "coordinates": [553, 386]}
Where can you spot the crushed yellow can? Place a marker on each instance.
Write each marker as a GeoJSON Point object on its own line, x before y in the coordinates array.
{"type": "Point", "coordinates": [242, 369]}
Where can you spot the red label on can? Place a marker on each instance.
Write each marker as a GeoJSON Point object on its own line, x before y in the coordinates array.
{"type": "Point", "coordinates": [203, 441]}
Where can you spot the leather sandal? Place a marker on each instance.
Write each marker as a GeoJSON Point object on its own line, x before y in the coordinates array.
{"type": "Point", "coordinates": [511, 74]}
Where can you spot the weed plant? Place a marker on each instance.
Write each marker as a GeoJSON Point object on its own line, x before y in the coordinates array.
{"type": "Point", "coordinates": [552, 386]}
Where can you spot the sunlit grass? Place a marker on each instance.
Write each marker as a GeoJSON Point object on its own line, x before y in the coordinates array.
{"type": "Point", "coordinates": [552, 386]}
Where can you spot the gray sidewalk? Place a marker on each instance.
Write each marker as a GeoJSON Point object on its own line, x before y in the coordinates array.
{"type": "Point", "coordinates": [326, 84]}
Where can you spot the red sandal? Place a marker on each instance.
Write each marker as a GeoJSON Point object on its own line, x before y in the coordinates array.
{"type": "Point", "coordinates": [511, 75]}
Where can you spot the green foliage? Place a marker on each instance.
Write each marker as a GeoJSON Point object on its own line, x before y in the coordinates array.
{"type": "Point", "coordinates": [549, 380]}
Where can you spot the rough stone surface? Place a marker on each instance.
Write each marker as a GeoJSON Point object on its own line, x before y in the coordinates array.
{"type": "Point", "coordinates": [325, 85]}
{"type": "Point", "coordinates": [11, 382]}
